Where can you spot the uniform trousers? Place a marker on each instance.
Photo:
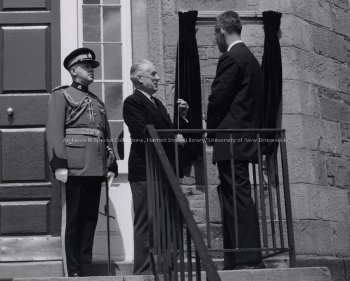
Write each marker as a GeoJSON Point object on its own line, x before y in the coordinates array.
{"type": "Point", "coordinates": [82, 199]}
{"type": "Point", "coordinates": [248, 223]}
{"type": "Point", "coordinates": [141, 236]}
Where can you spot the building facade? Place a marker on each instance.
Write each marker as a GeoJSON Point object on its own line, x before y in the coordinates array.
{"type": "Point", "coordinates": [36, 35]}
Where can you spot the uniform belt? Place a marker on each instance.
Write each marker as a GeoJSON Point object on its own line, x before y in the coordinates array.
{"type": "Point", "coordinates": [85, 131]}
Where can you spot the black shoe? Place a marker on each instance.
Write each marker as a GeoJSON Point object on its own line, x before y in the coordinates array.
{"type": "Point", "coordinates": [250, 266]}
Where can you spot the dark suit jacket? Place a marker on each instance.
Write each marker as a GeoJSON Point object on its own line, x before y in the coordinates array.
{"type": "Point", "coordinates": [81, 155]}
{"type": "Point", "coordinates": [235, 102]}
{"type": "Point", "coordinates": [139, 111]}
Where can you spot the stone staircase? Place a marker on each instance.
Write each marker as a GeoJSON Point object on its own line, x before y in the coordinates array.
{"type": "Point", "coordinates": [123, 272]}
{"type": "Point", "coordinates": [282, 274]}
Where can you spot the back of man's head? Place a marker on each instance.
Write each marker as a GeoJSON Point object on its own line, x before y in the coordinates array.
{"type": "Point", "coordinates": [230, 22]}
{"type": "Point", "coordinates": [137, 69]}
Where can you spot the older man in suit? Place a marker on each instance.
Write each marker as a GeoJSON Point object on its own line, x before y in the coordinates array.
{"type": "Point", "coordinates": [139, 110]}
{"type": "Point", "coordinates": [235, 103]}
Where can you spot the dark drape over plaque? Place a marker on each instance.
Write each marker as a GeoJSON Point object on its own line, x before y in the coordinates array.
{"type": "Point", "coordinates": [188, 81]}
{"type": "Point", "coordinates": [272, 69]}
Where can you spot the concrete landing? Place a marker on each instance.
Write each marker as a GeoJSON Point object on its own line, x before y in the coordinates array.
{"type": "Point", "coordinates": [279, 274]}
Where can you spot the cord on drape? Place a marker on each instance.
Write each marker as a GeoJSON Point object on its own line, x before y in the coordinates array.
{"type": "Point", "coordinates": [272, 69]}
{"type": "Point", "coordinates": [188, 81]}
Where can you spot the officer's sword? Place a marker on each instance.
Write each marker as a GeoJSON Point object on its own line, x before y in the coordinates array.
{"type": "Point", "coordinates": [108, 229]}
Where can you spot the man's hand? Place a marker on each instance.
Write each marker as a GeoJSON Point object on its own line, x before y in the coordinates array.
{"type": "Point", "coordinates": [183, 108]}
{"type": "Point", "coordinates": [61, 175]}
{"type": "Point", "coordinates": [110, 177]}
{"type": "Point", "coordinates": [180, 140]}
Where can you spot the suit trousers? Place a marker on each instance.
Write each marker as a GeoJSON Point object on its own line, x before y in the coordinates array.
{"type": "Point", "coordinates": [247, 219]}
{"type": "Point", "coordinates": [141, 236]}
{"type": "Point", "coordinates": [82, 209]}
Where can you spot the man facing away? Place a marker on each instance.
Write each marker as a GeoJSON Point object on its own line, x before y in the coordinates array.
{"type": "Point", "coordinates": [235, 103]}
{"type": "Point", "coordinates": [139, 110]}
{"type": "Point", "coordinates": [80, 155]}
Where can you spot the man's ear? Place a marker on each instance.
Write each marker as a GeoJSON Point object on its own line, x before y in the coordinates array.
{"type": "Point", "coordinates": [72, 71]}
{"type": "Point", "coordinates": [139, 78]}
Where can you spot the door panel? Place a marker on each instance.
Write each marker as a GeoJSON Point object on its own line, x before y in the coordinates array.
{"type": "Point", "coordinates": [30, 66]}
{"type": "Point", "coordinates": [29, 110]}
{"type": "Point", "coordinates": [24, 4]}
{"type": "Point", "coordinates": [23, 155]}
{"type": "Point", "coordinates": [26, 59]}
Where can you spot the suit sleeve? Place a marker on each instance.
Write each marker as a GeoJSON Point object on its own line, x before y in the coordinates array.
{"type": "Point", "coordinates": [55, 131]}
{"type": "Point", "coordinates": [135, 118]}
{"type": "Point", "coordinates": [222, 90]}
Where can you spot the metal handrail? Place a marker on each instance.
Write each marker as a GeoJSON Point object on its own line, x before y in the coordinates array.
{"type": "Point", "coordinates": [267, 192]}
{"type": "Point", "coordinates": [183, 206]}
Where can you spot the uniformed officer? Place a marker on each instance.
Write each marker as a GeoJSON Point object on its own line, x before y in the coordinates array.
{"type": "Point", "coordinates": [81, 156]}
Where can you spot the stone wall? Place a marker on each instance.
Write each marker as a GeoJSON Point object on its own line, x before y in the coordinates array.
{"type": "Point", "coordinates": [315, 111]}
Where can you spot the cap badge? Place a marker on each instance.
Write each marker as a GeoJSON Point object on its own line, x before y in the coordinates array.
{"type": "Point", "coordinates": [89, 56]}
{"type": "Point", "coordinates": [79, 87]}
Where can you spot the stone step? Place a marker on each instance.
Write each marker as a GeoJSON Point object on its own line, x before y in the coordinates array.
{"type": "Point", "coordinates": [285, 274]}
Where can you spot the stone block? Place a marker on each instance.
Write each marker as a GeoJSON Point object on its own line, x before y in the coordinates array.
{"type": "Point", "coordinates": [340, 21]}
{"type": "Point", "coordinates": [329, 44]}
{"type": "Point", "coordinates": [313, 237]}
{"type": "Point", "coordinates": [302, 131]}
{"type": "Point", "coordinates": [206, 36]}
{"type": "Point", "coordinates": [213, 53]}
{"type": "Point", "coordinates": [253, 34]}
{"type": "Point", "coordinates": [283, 6]}
{"type": "Point", "coordinates": [214, 205]}
{"type": "Point", "coordinates": [346, 149]}
{"type": "Point", "coordinates": [330, 139]}
{"type": "Point", "coordinates": [253, 5]}
{"type": "Point", "coordinates": [341, 239]}
{"type": "Point", "coordinates": [345, 131]}
{"type": "Point", "coordinates": [329, 93]}
{"type": "Point", "coordinates": [335, 265]}
{"type": "Point", "coordinates": [333, 204]}
{"type": "Point", "coordinates": [309, 67]}
{"type": "Point", "coordinates": [295, 32]}
{"type": "Point", "coordinates": [306, 166]}
{"type": "Point", "coordinates": [300, 97]}
{"type": "Point", "coordinates": [170, 52]}
{"type": "Point", "coordinates": [343, 77]}
{"type": "Point", "coordinates": [341, 4]}
{"type": "Point", "coordinates": [338, 171]}
{"type": "Point", "coordinates": [171, 27]}
{"type": "Point", "coordinates": [208, 67]}
{"type": "Point", "coordinates": [168, 7]}
{"type": "Point", "coordinates": [334, 110]}
{"type": "Point", "coordinates": [257, 52]}
{"type": "Point", "coordinates": [169, 69]}
{"type": "Point", "coordinates": [300, 202]}
{"type": "Point", "coordinates": [317, 11]}
{"type": "Point", "coordinates": [212, 5]}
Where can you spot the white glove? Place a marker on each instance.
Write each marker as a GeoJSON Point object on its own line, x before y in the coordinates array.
{"type": "Point", "coordinates": [61, 175]}
{"type": "Point", "coordinates": [110, 177]}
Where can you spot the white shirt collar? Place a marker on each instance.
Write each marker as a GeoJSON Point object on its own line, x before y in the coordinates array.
{"type": "Point", "coordinates": [234, 43]}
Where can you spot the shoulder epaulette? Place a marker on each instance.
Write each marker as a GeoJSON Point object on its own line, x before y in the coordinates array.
{"type": "Point", "coordinates": [60, 87]}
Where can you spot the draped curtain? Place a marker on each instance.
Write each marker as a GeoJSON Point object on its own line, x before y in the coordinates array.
{"type": "Point", "coordinates": [272, 69]}
{"type": "Point", "coordinates": [188, 81]}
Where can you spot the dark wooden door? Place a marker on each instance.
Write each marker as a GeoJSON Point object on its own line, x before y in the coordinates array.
{"type": "Point", "coordinates": [29, 67]}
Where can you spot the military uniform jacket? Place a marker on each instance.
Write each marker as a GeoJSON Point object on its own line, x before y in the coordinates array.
{"type": "Point", "coordinates": [139, 111]}
{"type": "Point", "coordinates": [235, 103]}
{"type": "Point", "coordinates": [82, 155]}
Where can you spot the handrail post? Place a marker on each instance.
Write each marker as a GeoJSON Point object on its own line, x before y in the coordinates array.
{"type": "Point", "coordinates": [288, 203]}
